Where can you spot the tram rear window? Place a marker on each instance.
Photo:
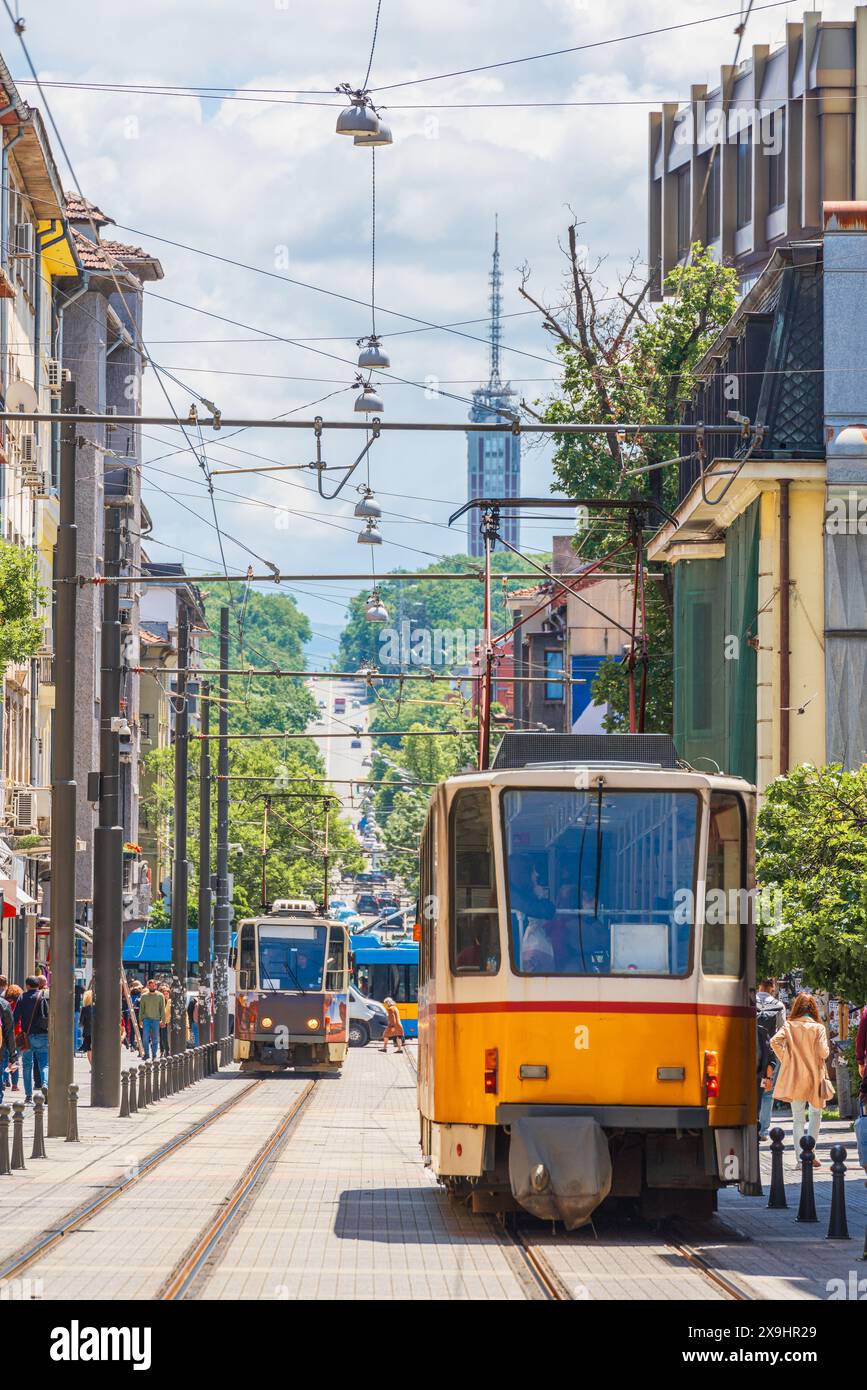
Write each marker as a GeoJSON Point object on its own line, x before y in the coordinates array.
{"type": "Point", "coordinates": [475, 934]}
{"type": "Point", "coordinates": [291, 958]}
{"type": "Point", "coordinates": [397, 982]}
{"type": "Point", "coordinates": [597, 885]}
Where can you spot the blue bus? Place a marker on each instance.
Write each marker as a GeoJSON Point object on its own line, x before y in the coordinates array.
{"type": "Point", "coordinates": [147, 952]}
{"type": "Point", "coordinates": [388, 972]}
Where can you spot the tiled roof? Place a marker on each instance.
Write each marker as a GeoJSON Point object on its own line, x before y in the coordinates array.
{"type": "Point", "coordinates": [105, 255]}
{"type": "Point", "coordinates": [81, 210]}
{"type": "Point", "coordinates": [159, 638]}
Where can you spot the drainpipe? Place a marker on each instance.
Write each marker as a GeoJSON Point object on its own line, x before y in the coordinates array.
{"type": "Point", "coordinates": [36, 778]}
{"type": "Point", "coordinates": [785, 701]}
{"type": "Point", "coordinates": [4, 260]}
{"type": "Point", "coordinates": [58, 354]}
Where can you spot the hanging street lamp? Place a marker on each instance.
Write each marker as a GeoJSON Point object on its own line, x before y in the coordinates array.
{"type": "Point", "coordinates": [372, 354]}
{"type": "Point", "coordinates": [376, 611]}
{"type": "Point", "coordinates": [368, 403]}
{"type": "Point", "coordinates": [367, 505]}
{"type": "Point", "coordinates": [371, 534]}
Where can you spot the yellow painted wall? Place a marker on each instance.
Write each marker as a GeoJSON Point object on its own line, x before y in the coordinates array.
{"type": "Point", "coordinates": [806, 619]}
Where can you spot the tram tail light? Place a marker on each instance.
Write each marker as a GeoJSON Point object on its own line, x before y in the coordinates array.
{"type": "Point", "coordinates": [491, 1070]}
{"type": "Point", "coordinates": [711, 1075]}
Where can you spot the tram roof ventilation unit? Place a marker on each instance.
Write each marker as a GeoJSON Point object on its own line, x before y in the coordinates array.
{"type": "Point", "coordinates": [628, 750]}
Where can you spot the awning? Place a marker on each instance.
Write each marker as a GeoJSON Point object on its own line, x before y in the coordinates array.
{"type": "Point", "coordinates": [14, 897]}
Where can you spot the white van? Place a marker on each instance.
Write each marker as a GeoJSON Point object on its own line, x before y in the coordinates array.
{"type": "Point", "coordinates": [367, 1019]}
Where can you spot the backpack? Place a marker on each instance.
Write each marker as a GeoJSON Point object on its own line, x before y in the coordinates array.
{"type": "Point", "coordinates": [768, 1022]}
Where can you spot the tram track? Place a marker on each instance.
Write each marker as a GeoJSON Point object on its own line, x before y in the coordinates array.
{"type": "Point", "coordinates": [48, 1240]}
{"type": "Point", "coordinates": [194, 1264]}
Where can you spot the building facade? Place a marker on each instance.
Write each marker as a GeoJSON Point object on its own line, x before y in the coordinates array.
{"type": "Point", "coordinates": [746, 167]}
{"type": "Point", "coordinates": [493, 460]}
{"type": "Point", "coordinates": [770, 550]}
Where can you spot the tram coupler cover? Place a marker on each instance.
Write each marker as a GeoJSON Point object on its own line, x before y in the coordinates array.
{"type": "Point", "coordinates": [559, 1169]}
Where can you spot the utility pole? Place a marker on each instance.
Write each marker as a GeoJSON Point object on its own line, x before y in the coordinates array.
{"type": "Point", "coordinates": [327, 857]}
{"type": "Point", "coordinates": [264, 892]}
{"type": "Point", "coordinates": [180, 866]}
{"type": "Point", "coordinates": [63, 790]}
{"type": "Point", "coordinates": [490, 527]}
{"type": "Point", "coordinates": [221, 914]}
{"type": "Point", "coordinates": [108, 843]}
{"type": "Point", "coordinates": [205, 870]}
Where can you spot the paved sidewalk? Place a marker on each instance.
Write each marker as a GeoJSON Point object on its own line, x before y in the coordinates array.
{"type": "Point", "coordinates": [783, 1258]}
{"type": "Point", "coordinates": [49, 1189]}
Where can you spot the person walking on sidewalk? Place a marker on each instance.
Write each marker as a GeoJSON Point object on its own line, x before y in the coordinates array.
{"type": "Point", "coordinates": [861, 1044]}
{"type": "Point", "coordinates": [12, 994]}
{"type": "Point", "coordinates": [8, 1047]}
{"type": "Point", "coordinates": [770, 1017]}
{"type": "Point", "coordinates": [393, 1027]}
{"type": "Point", "coordinates": [152, 1017]}
{"type": "Point", "coordinates": [802, 1046]}
{"type": "Point", "coordinates": [32, 1020]}
{"type": "Point", "coordinates": [86, 1023]}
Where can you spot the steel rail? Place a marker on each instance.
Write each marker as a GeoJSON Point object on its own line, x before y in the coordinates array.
{"type": "Point", "coordinates": [182, 1278]}
{"type": "Point", "coordinates": [22, 1259]}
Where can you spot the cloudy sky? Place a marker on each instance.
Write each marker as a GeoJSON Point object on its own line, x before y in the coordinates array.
{"type": "Point", "coordinates": [260, 177]}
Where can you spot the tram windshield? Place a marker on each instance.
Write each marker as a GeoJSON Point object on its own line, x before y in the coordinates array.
{"type": "Point", "coordinates": [291, 957]}
{"type": "Point", "coordinates": [599, 886]}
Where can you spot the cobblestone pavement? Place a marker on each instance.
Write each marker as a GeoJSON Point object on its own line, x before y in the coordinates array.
{"type": "Point", "coordinates": [346, 1210]}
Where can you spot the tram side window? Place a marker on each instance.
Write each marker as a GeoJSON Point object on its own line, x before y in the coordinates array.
{"type": "Point", "coordinates": [726, 913]}
{"type": "Point", "coordinates": [427, 907]}
{"type": "Point", "coordinates": [475, 932]}
{"type": "Point", "coordinates": [247, 957]}
{"type": "Point", "coordinates": [397, 982]}
{"type": "Point", "coordinates": [334, 967]}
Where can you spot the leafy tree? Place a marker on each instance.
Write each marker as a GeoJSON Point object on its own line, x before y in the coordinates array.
{"type": "Point", "coordinates": [622, 362]}
{"type": "Point", "coordinates": [428, 606]}
{"type": "Point", "coordinates": [265, 630]}
{"type": "Point", "coordinates": [21, 629]}
{"type": "Point", "coordinates": [296, 835]}
{"type": "Point", "coordinates": [811, 846]}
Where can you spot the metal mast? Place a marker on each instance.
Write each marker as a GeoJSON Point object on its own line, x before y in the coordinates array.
{"type": "Point", "coordinates": [495, 384]}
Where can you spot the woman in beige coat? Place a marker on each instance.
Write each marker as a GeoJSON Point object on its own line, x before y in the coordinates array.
{"type": "Point", "coordinates": [802, 1046]}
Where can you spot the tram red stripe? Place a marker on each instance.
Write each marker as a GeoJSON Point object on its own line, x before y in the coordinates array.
{"type": "Point", "coordinates": [597, 1006]}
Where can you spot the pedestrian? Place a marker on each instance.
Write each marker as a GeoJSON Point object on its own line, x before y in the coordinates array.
{"type": "Point", "coordinates": [86, 1021]}
{"type": "Point", "coordinates": [192, 1018]}
{"type": "Point", "coordinates": [861, 1044]}
{"type": "Point", "coordinates": [164, 1026]}
{"type": "Point", "coordinates": [152, 1016]}
{"type": "Point", "coordinates": [135, 993]}
{"type": "Point", "coordinates": [393, 1027]}
{"type": "Point", "coordinates": [12, 994]}
{"type": "Point", "coordinates": [32, 1019]}
{"type": "Point", "coordinates": [770, 1017]}
{"type": "Point", "coordinates": [802, 1046]}
{"type": "Point", "coordinates": [8, 1047]}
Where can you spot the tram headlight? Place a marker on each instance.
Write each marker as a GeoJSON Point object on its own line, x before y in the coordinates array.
{"type": "Point", "coordinates": [312, 1023]}
{"type": "Point", "coordinates": [267, 1022]}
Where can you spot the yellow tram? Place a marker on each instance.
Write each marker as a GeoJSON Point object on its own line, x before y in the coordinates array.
{"type": "Point", "coordinates": [292, 1001]}
{"type": "Point", "coordinates": [586, 980]}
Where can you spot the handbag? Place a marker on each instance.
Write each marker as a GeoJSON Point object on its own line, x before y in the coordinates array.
{"type": "Point", "coordinates": [826, 1089]}
{"type": "Point", "coordinates": [861, 1133]}
{"type": "Point", "coordinates": [23, 1038]}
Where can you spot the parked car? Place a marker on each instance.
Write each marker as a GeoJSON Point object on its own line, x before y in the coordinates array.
{"type": "Point", "coordinates": [388, 902]}
{"type": "Point", "coordinates": [367, 904]}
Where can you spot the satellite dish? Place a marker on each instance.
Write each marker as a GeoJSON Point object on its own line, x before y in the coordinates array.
{"type": "Point", "coordinates": [22, 396]}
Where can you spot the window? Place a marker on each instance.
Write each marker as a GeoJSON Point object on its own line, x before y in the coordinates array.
{"type": "Point", "coordinates": [291, 957]}
{"type": "Point", "coordinates": [712, 196]}
{"type": "Point", "coordinates": [744, 202]}
{"type": "Point", "coordinates": [684, 211]}
{"type": "Point", "coordinates": [335, 964]}
{"type": "Point", "coordinates": [247, 957]}
{"type": "Point", "coordinates": [597, 881]}
{"type": "Point", "coordinates": [554, 673]}
{"type": "Point", "coordinates": [392, 981]}
{"type": "Point", "coordinates": [426, 914]}
{"type": "Point", "coordinates": [726, 912]}
{"type": "Point", "coordinates": [475, 932]}
{"type": "Point", "coordinates": [774, 146]}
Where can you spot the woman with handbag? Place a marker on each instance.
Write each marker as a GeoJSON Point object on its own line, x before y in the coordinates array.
{"type": "Point", "coordinates": [802, 1046]}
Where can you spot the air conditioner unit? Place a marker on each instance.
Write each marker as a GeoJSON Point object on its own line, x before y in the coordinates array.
{"type": "Point", "coordinates": [24, 811]}
{"type": "Point", "coordinates": [24, 239]}
{"type": "Point", "coordinates": [29, 449]}
{"type": "Point", "coordinates": [55, 375]}
{"type": "Point", "coordinates": [46, 669]}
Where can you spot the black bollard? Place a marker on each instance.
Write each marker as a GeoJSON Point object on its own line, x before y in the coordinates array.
{"type": "Point", "coordinates": [38, 1150]}
{"type": "Point", "coordinates": [4, 1141]}
{"type": "Point", "coordinates": [179, 1071]}
{"type": "Point", "coordinates": [72, 1116]}
{"type": "Point", "coordinates": [124, 1095]}
{"type": "Point", "coordinates": [777, 1198]}
{"type": "Point", "coordinates": [17, 1134]}
{"type": "Point", "coordinates": [171, 1075]}
{"type": "Point", "coordinates": [142, 1090]}
{"type": "Point", "coordinates": [133, 1092]}
{"type": "Point", "coordinates": [807, 1205]}
{"type": "Point", "coordinates": [164, 1082]}
{"type": "Point", "coordinates": [837, 1227]}
{"type": "Point", "coordinates": [149, 1099]}
{"type": "Point", "coordinates": [188, 1066]}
